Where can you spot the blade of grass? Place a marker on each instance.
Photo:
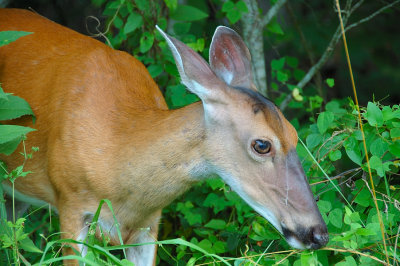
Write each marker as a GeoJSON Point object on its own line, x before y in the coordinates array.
{"type": "Point", "coordinates": [176, 241]}
{"type": "Point", "coordinates": [326, 175]}
{"type": "Point", "coordinates": [362, 131]}
{"type": "Point", "coordinates": [93, 226]}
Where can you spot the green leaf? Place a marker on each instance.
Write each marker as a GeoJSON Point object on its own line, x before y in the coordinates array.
{"type": "Point", "coordinates": [234, 15]}
{"type": "Point", "coordinates": [365, 232]}
{"type": "Point", "coordinates": [335, 217]}
{"type": "Point", "coordinates": [171, 4]}
{"type": "Point", "coordinates": [155, 70]}
{"type": "Point", "coordinates": [215, 183]}
{"type": "Point", "coordinates": [277, 64]}
{"type": "Point", "coordinates": [363, 197]}
{"type": "Point", "coordinates": [192, 217]}
{"type": "Point", "coordinates": [7, 37]}
{"type": "Point", "coordinates": [330, 82]}
{"type": "Point", "coordinates": [292, 61]}
{"type": "Point", "coordinates": [188, 13]}
{"type": "Point", "coordinates": [282, 76]}
{"type": "Point", "coordinates": [354, 155]}
{"type": "Point", "coordinates": [349, 261]}
{"type": "Point", "coordinates": [219, 247]}
{"type": "Point", "coordinates": [313, 140]}
{"type": "Point", "coordinates": [181, 28]}
{"type": "Point", "coordinates": [11, 132]}
{"type": "Point", "coordinates": [324, 206]}
{"type": "Point", "coordinates": [125, 262]}
{"type": "Point", "coordinates": [98, 3]}
{"type": "Point", "coordinates": [14, 107]}
{"type": "Point", "coordinates": [274, 27]}
{"type": "Point", "coordinates": [3, 95]}
{"type": "Point", "coordinates": [334, 107]}
{"type": "Point", "coordinates": [298, 74]}
{"type": "Point", "coordinates": [376, 163]}
{"type": "Point", "coordinates": [10, 146]}
{"type": "Point", "coordinates": [374, 115]}
{"type": "Point", "coordinates": [206, 245]}
{"type": "Point", "coordinates": [143, 5]}
{"type": "Point", "coordinates": [118, 22]}
{"type": "Point", "coordinates": [216, 224]}
{"type": "Point", "coordinates": [395, 148]}
{"type": "Point", "coordinates": [395, 133]}
{"type": "Point", "coordinates": [259, 229]}
{"type": "Point", "coordinates": [134, 21]}
{"type": "Point", "coordinates": [378, 147]}
{"type": "Point", "coordinates": [234, 11]}
{"type": "Point", "coordinates": [228, 6]}
{"type": "Point", "coordinates": [324, 121]}
{"type": "Point", "coordinates": [146, 42]}
{"type": "Point", "coordinates": [27, 245]}
{"type": "Point", "coordinates": [352, 149]}
{"type": "Point", "coordinates": [241, 6]}
{"type": "Point", "coordinates": [335, 155]}
{"type": "Point", "coordinates": [387, 113]}
{"type": "Point", "coordinates": [198, 45]}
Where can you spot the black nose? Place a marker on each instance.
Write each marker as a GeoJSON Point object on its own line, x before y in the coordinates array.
{"type": "Point", "coordinates": [318, 237]}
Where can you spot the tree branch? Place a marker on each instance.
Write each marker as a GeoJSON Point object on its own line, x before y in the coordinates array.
{"type": "Point", "coordinates": [371, 16]}
{"type": "Point", "coordinates": [253, 26]}
{"type": "Point", "coordinates": [335, 38]}
{"type": "Point", "coordinates": [272, 12]}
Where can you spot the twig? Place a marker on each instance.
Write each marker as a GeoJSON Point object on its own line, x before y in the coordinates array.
{"type": "Point", "coordinates": [309, 52]}
{"type": "Point", "coordinates": [99, 32]}
{"type": "Point", "coordinates": [272, 12]}
{"type": "Point", "coordinates": [256, 255]}
{"type": "Point", "coordinates": [337, 176]}
{"type": "Point", "coordinates": [328, 51]}
{"type": "Point", "coordinates": [290, 254]}
{"type": "Point", "coordinates": [356, 252]}
{"type": "Point", "coordinates": [314, 69]}
{"type": "Point", "coordinates": [372, 15]}
{"type": "Point", "coordinates": [334, 134]}
{"type": "Point", "coordinates": [395, 245]}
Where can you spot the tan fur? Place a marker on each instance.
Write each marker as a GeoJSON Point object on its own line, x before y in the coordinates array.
{"type": "Point", "coordinates": [104, 132]}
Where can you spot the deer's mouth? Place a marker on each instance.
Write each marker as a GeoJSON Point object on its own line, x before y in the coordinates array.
{"type": "Point", "coordinates": [314, 237]}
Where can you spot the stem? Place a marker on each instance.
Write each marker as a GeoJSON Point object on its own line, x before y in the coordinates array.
{"type": "Point", "coordinates": [15, 248]}
{"type": "Point", "coordinates": [362, 132]}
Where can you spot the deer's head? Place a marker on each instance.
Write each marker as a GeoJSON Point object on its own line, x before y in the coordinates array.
{"type": "Point", "coordinates": [249, 142]}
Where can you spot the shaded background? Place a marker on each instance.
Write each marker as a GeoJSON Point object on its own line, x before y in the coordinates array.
{"type": "Point", "coordinates": [374, 46]}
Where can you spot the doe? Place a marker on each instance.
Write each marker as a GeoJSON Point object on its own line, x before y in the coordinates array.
{"type": "Point", "coordinates": [105, 132]}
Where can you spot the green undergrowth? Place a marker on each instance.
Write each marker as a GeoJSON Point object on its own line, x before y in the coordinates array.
{"type": "Point", "coordinates": [211, 224]}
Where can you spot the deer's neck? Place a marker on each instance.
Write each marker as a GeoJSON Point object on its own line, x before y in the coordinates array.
{"type": "Point", "coordinates": [164, 159]}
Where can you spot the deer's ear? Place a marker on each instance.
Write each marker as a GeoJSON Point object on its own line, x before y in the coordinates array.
{"type": "Point", "coordinates": [230, 58]}
{"type": "Point", "coordinates": [195, 73]}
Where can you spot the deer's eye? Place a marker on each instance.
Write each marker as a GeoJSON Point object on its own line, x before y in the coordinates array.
{"type": "Point", "coordinates": [261, 146]}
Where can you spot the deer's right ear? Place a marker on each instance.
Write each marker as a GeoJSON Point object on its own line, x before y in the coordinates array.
{"type": "Point", "coordinates": [195, 73]}
{"type": "Point", "coordinates": [230, 58]}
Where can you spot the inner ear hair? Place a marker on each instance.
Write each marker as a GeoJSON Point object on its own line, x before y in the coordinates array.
{"type": "Point", "coordinates": [257, 107]}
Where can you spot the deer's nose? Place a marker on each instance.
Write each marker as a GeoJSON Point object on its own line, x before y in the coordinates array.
{"type": "Point", "coordinates": [318, 237]}
{"type": "Point", "coordinates": [314, 237]}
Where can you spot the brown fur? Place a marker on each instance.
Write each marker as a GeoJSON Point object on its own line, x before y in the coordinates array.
{"type": "Point", "coordinates": [104, 131]}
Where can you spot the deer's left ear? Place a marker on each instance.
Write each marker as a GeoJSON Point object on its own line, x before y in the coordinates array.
{"type": "Point", "coordinates": [230, 58]}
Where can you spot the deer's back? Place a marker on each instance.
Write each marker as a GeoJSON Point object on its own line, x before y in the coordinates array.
{"type": "Point", "coordinates": [83, 93]}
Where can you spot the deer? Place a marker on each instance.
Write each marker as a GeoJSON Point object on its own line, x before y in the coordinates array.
{"type": "Point", "coordinates": [105, 132]}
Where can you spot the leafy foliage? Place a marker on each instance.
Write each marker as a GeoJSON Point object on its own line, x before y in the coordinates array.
{"type": "Point", "coordinates": [12, 234]}
{"type": "Point", "coordinates": [211, 220]}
